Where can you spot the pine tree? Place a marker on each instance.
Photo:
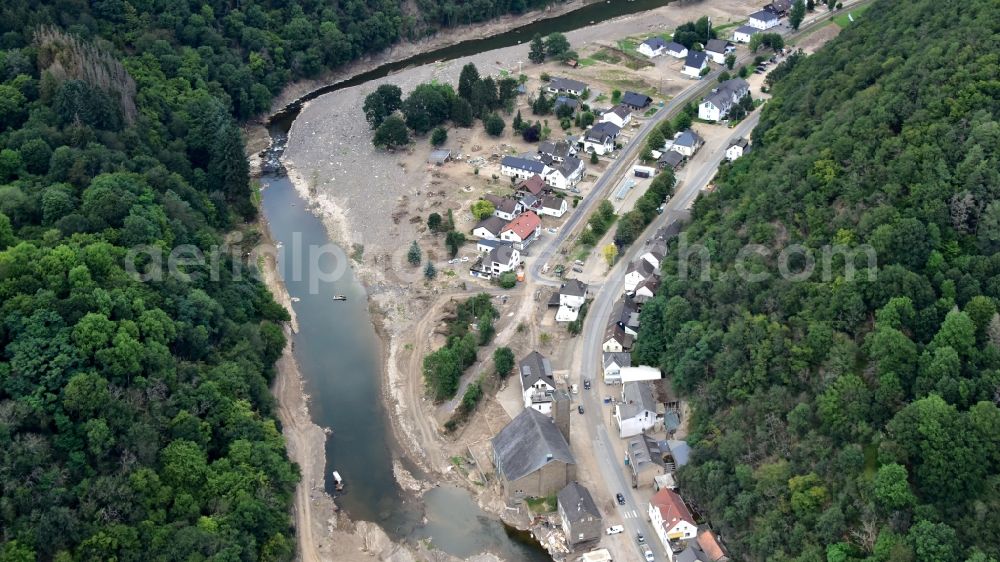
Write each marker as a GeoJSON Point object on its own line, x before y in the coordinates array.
{"type": "Point", "coordinates": [430, 271]}
{"type": "Point", "coordinates": [467, 81]}
{"type": "Point", "coordinates": [413, 254]}
{"type": "Point", "coordinates": [518, 122]}
{"type": "Point", "coordinates": [536, 52]}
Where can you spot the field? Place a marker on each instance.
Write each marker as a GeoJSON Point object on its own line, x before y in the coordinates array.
{"type": "Point", "coordinates": [843, 20]}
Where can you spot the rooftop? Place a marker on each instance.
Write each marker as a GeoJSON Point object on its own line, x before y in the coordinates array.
{"type": "Point", "coordinates": [536, 367]}
{"type": "Point", "coordinates": [523, 164]}
{"type": "Point", "coordinates": [534, 185]}
{"type": "Point", "coordinates": [567, 84]}
{"type": "Point", "coordinates": [576, 502]}
{"type": "Point", "coordinates": [637, 397]}
{"type": "Point", "coordinates": [717, 45]}
{"type": "Point", "coordinates": [574, 288]}
{"type": "Point", "coordinates": [493, 224]}
{"type": "Point", "coordinates": [529, 442]}
{"type": "Point", "coordinates": [524, 225]}
{"type": "Point", "coordinates": [636, 100]}
{"type": "Point", "coordinates": [695, 59]}
{"type": "Point", "coordinates": [655, 42]}
{"type": "Point", "coordinates": [672, 507]}
{"type": "Point", "coordinates": [622, 359]}
{"type": "Point", "coordinates": [602, 131]}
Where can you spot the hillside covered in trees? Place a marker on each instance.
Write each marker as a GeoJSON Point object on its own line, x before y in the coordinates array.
{"type": "Point", "coordinates": [847, 420]}
{"type": "Point", "coordinates": [136, 421]}
{"type": "Point", "coordinates": [243, 52]}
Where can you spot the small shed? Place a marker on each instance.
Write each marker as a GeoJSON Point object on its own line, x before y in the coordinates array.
{"type": "Point", "coordinates": [439, 156]}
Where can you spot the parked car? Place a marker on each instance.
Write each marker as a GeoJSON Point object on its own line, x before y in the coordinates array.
{"type": "Point", "coordinates": [552, 230]}
{"type": "Point", "coordinates": [615, 529]}
{"type": "Point", "coordinates": [586, 384]}
{"type": "Point", "coordinates": [580, 408]}
{"type": "Point", "coordinates": [577, 269]}
{"type": "Point", "coordinates": [648, 554]}
{"type": "Point", "coordinates": [620, 498]}
{"type": "Point", "coordinates": [640, 538]}
{"type": "Point", "coordinates": [465, 258]}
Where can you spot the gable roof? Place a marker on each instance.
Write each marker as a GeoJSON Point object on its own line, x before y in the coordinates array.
{"type": "Point", "coordinates": [687, 138]}
{"type": "Point", "coordinates": [655, 43]}
{"type": "Point", "coordinates": [574, 288]}
{"type": "Point", "coordinates": [616, 332]}
{"type": "Point", "coordinates": [524, 225]}
{"type": "Point", "coordinates": [534, 185]}
{"type": "Point", "coordinates": [577, 502]}
{"type": "Point", "coordinates": [652, 283]}
{"type": "Point", "coordinates": [764, 15]}
{"type": "Point", "coordinates": [602, 131]}
{"type": "Point", "coordinates": [642, 267]}
{"type": "Point", "coordinates": [740, 142]}
{"type": "Point", "coordinates": [502, 253]}
{"type": "Point", "coordinates": [536, 367]}
{"type": "Point", "coordinates": [523, 164]}
{"type": "Point", "coordinates": [620, 358]}
{"type": "Point", "coordinates": [637, 397]}
{"type": "Point", "coordinates": [747, 29]}
{"type": "Point", "coordinates": [494, 243]}
{"type": "Point", "coordinates": [529, 442]}
{"type": "Point", "coordinates": [636, 100]}
{"type": "Point", "coordinates": [567, 84]}
{"type": "Point", "coordinates": [563, 100]}
{"type": "Point", "coordinates": [504, 204]}
{"type": "Point", "coordinates": [645, 452]}
{"type": "Point", "coordinates": [734, 85]}
{"type": "Point", "coordinates": [552, 202]}
{"type": "Point", "coordinates": [672, 508]}
{"type": "Point", "coordinates": [709, 543]}
{"type": "Point", "coordinates": [695, 59]}
{"type": "Point", "coordinates": [493, 224]}
{"type": "Point", "coordinates": [675, 47]}
{"type": "Point", "coordinates": [568, 166]}
{"type": "Point", "coordinates": [621, 110]}
{"type": "Point", "coordinates": [558, 149]}
{"type": "Point", "coordinates": [671, 158]}
{"type": "Point", "coordinates": [717, 45]}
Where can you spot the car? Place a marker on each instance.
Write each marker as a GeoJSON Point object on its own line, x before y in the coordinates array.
{"type": "Point", "coordinates": [578, 269]}
{"type": "Point", "coordinates": [640, 538]}
{"type": "Point", "coordinates": [586, 384]}
{"type": "Point", "coordinates": [621, 498]}
{"type": "Point", "coordinates": [465, 259]}
{"type": "Point", "coordinates": [580, 408]}
{"type": "Point", "coordinates": [578, 262]}
{"type": "Point", "coordinates": [552, 230]}
{"type": "Point", "coordinates": [451, 261]}
{"type": "Point", "coordinates": [615, 529]}
{"type": "Point", "coordinates": [649, 555]}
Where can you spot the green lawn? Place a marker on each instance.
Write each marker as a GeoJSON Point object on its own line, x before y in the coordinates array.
{"type": "Point", "coordinates": [587, 62]}
{"type": "Point", "coordinates": [541, 505]}
{"type": "Point", "coordinates": [628, 44]}
{"type": "Point", "coordinates": [843, 21]}
{"type": "Point", "coordinates": [651, 111]}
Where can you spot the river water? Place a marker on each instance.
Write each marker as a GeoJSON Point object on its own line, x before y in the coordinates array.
{"type": "Point", "coordinates": [337, 348]}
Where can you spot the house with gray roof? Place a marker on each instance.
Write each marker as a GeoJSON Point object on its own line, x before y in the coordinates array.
{"type": "Point", "coordinates": [537, 382]}
{"type": "Point", "coordinates": [613, 363]}
{"type": "Point", "coordinates": [676, 50]}
{"type": "Point", "coordinates": [555, 151]}
{"type": "Point", "coordinates": [572, 103]}
{"type": "Point", "coordinates": [670, 159]}
{"type": "Point", "coordinates": [572, 295]}
{"type": "Point", "coordinates": [638, 411]}
{"type": "Point", "coordinates": [489, 228]}
{"type": "Point", "coordinates": [522, 168]}
{"type": "Point", "coordinates": [581, 519]}
{"type": "Point", "coordinates": [532, 457]}
{"type": "Point", "coordinates": [652, 47]}
{"type": "Point", "coordinates": [638, 271]}
{"type": "Point", "coordinates": [635, 101]}
{"type": "Point", "coordinates": [763, 19]}
{"type": "Point", "coordinates": [566, 174]}
{"type": "Point", "coordinates": [566, 86]}
{"type": "Point", "coordinates": [687, 142]}
{"type": "Point", "coordinates": [716, 105]}
{"type": "Point", "coordinates": [717, 49]}
{"type": "Point", "coordinates": [600, 138]}
{"type": "Point", "coordinates": [694, 63]}
{"type": "Point", "coordinates": [743, 33]}
{"type": "Point", "coordinates": [646, 459]}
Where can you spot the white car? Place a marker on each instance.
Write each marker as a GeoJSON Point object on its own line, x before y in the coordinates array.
{"type": "Point", "coordinates": [465, 259]}
{"type": "Point", "coordinates": [649, 556]}
{"type": "Point", "coordinates": [453, 261]}
{"type": "Point", "coordinates": [615, 529]}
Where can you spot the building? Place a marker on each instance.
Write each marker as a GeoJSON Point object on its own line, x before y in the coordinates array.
{"type": "Point", "coordinates": [600, 138]}
{"type": "Point", "coordinates": [581, 520]}
{"type": "Point", "coordinates": [739, 147]}
{"type": "Point", "coordinates": [652, 47]}
{"type": "Point", "coordinates": [569, 102]}
{"type": "Point", "coordinates": [439, 157]}
{"type": "Point", "coordinates": [716, 105]}
{"type": "Point", "coordinates": [522, 231]}
{"type": "Point", "coordinates": [572, 295]}
{"type": "Point", "coordinates": [613, 364]}
{"type": "Point", "coordinates": [489, 228]}
{"type": "Point", "coordinates": [566, 86]}
{"type": "Point", "coordinates": [780, 7]}
{"type": "Point", "coordinates": [670, 518]}
{"type": "Point", "coordinates": [638, 271]}
{"type": "Point", "coordinates": [538, 385]}
{"type": "Point", "coordinates": [555, 151]}
{"type": "Point", "coordinates": [521, 168]}
{"type": "Point", "coordinates": [626, 313]}
{"type": "Point", "coordinates": [743, 33]}
{"type": "Point", "coordinates": [553, 206]}
{"type": "Point", "coordinates": [676, 50]}
{"type": "Point", "coordinates": [566, 174]}
{"type": "Point", "coordinates": [506, 208]}
{"type": "Point", "coordinates": [532, 457]}
{"type": "Point", "coordinates": [646, 290]}
{"type": "Point", "coordinates": [645, 460]}
{"type": "Point", "coordinates": [534, 185]}
{"type": "Point", "coordinates": [694, 63]}
{"type": "Point", "coordinates": [670, 159]}
{"type": "Point", "coordinates": [717, 49]}
{"type": "Point", "coordinates": [500, 259]}
{"type": "Point", "coordinates": [764, 19]}
{"type": "Point", "coordinates": [619, 115]}
{"type": "Point", "coordinates": [655, 253]}
{"type": "Point", "coordinates": [638, 410]}
{"type": "Point", "coordinates": [639, 374]}
{"type": "Point", "coordinates": [687, 142]}
{"type": "Point", "coordinates": [616, 340]}
{"type": "Point", "coordinates": [529, 202]}
{"type": "Point", "coordinates": [636, 102]}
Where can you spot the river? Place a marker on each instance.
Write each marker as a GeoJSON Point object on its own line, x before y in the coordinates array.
{"type": "Point", "coordinates": [337, 349]}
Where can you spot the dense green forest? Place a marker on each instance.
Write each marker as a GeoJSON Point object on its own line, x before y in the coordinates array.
{"type": "Point", "coordinates": [135, 417]}
{"type": "Point", "coordinates": [838, 419]}
{"type": "Point", "coordinates": [242, 52]}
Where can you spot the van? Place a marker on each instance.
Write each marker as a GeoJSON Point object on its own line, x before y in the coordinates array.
{"type": "Point", "coordinates": [575, 389]}
{"type": "Point", "coordinates": [615, 529]}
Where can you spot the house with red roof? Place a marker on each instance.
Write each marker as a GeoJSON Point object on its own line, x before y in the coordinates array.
{"type": "Point", "coordinates": [671, 519]}
{"type": "Point", "coordinates": [523, 230]}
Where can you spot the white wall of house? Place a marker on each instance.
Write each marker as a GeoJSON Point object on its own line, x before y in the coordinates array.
{"type": "Point", "coordinates": [762, 23]}
{"type": "Point", "coordinates": [612, 374]}
{"type": "Point", "coordinates": [681, 531]}
{"type": "Point", "coordinates": [630, 427]}
{"type": "Point", "coordinates": [614, 118]}
{"type": "Point", "coordinates": [483, 233]}
{"type": "Point", "coordinates": [734, 152]}
{"type": "Point", "coordinates": [600, 148]}
{"type": "Point", "coordinates": [717, 58]}
{"type": "Point", "coordinates": [685, 150]}
{"type": "Point", "coordinates": [678, 54]}
{"type": "Point", "coordinates": [611, 345]}
{"type": "Point", "coordinates": [741, 36]}
{"type": "Point", "coordinates": [632, 280]}
{"type": "Point", "coordinates": [649, 51]}
{"type": "Point", "coordinates": [571, 300]}
{"type": "Point", "coordinates": [563, 207]}
{"type": "Point", "coordinates": [694, 72]}
{"type": "Point", "coordinates": [518, 173]}
{"type": "Point", "coordinates": [709, 111]}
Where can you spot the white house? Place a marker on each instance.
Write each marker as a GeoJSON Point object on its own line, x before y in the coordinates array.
{"type": "Point", "coordinates": [616, 340]}
{"type": "Point", "coordinates": [600, 138]}
{"type": "Point", "coordinates": [636, 413]}
{"type": "Point", "coordinates": [743, 33]}
{"type": "Point", "coordinates": [652, 47]}
{"type": "Point", "coordinates": [502, 259]}
{"type": "Point", "coordinates": [523, 230]}
{"type": "Point", "coordinates": [489, 228]}
{"type": "Point", "coordinates": [646, 290]}
{"type": "Point", "coordinates": [764, 19]}
{"type": "Point", "coordinates": [566, 86]}
{"type": "Point", "coordinates": [671, 518]}
{"type": "Point", "coordinates": [694, 63]}
{"type": "Point", "coordinates": [613, 364]}
{"type": "Point", "coordinates": [555, 151]}
{"type": "Point", "coordinates": [568, 173]}
{"type": "Point", "coordinates": [717, 49]}
{"type": "Point", "coordinates": [687, 142]}
{"type": "Point", "coordinates": [654, 254]}
{"type": "Point", "coordinates": [721, 100]}
{"type": "Point", "coordinates": [638, 271]}
{"type": "Point", "coordinates": [639, 374]}
{"type": "Point", "coordinates": [521, 168]}
{"type": "Point", "coordinates": [553, 206]}
{"type": "Point", "coordinates": [620, 115]}
{"type": "Point", "coordinates": [737, 149]}
{"type": "Point", "coordinates": [538, 386]}
{"type": "Point", "coordinates": [505, 208]}
{"type": "Point", "coordinates": [676, 50]}
{"type": "Point", "coordinates": [572, 295]}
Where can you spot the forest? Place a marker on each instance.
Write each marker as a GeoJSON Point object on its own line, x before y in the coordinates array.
{"type": "Point", "coordinates": [837, 417]}
{"type": "Point", "coordinates": [136, 421]}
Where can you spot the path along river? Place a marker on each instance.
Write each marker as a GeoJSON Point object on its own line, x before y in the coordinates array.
{"type": "Point", "coordinates": [338, 353]}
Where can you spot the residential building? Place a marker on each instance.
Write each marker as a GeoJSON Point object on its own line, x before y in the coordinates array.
{"type": "Point", "coordinates": [489, 228]}
{"type": "Point", "coordinates": [687, 142]}
{"type": "Point", "coordinates": [439, 157]}
{"type": "Point", "coordinates": [572, 295]}
{"type": "Point", "coordinates": [506, 208]}
{"type": "Point", "coordinates": [704, 548]}
{"type": "Point", "coordinates": [637, 412]}
{"type": "Point", "coordinates": [780, 7]}
{"type": "Point", "coordinates": [670, 159]}
{"type": "Point", "coordinates": [529, 202]}
{"type": "Point", "coordinates": [553, 206]}
{"type": "Point", "coordinates": [581, 520]}
{"type": "Point", "coordinates": [532, 457]}
{"type": "Point", "coordinates": [523, 230]}
{"type": "Point", "coordinates": [645, 460]}
{"type": "Point", "coordinates": [717, 49]}
{"type": "Point", "coordinates": [694, 63]}
{"type": "Point", "coordinates": [654, 253]}
{"type": "Point", "coordinates": [671, 518]}
{"type": "Point", "coordinates": [642, 373]}
{"type": "Point", "coordinates": [613, 364]}
{"type": "Point", "coordinates": [619, 115]}
{"type": "Point", "coordinates": [567, 174]}
{"type": "Point", "coordinates": [538, 385]}
{"type": "Point", "coordinates": [566, 86]}
{"type": "Point", "coordinates": [676, 50]}
{"type": "Point", "coordinates": [716, 105]}
{"type": "Point", "coordinates": [521, 168]}
{"type": "Point", "coordinates": [534, 185]}
{"type": "Point", "coordinates": [764, 19]}
{"type": "Point", "coordinates": [638, 271]}
{"type": "Point", "coordinates": [555, 151]}
{"type": "Point", "coordinates": [616, 340]}
{"type": "Point", "coordinates": [600, 138]}
{"type": "Point", "coordinates": [646, 290]}
{"type": "Point", "coordinates": [636, 102]}
{"type": "Point", "coordinates": [626, 313]}
{"type": "Point", "coordinates": [743, 33]}
{"type": "Point", "coordinates": [739, 147]}
{"type": "Point", "coordinates": [652, 47]}
{"type": "Point", "coordinates": [572, 103]}
{"type": "Point", "coordinates": [485, 245]}
{"type": "Point", "coordinates": [500, 260]}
